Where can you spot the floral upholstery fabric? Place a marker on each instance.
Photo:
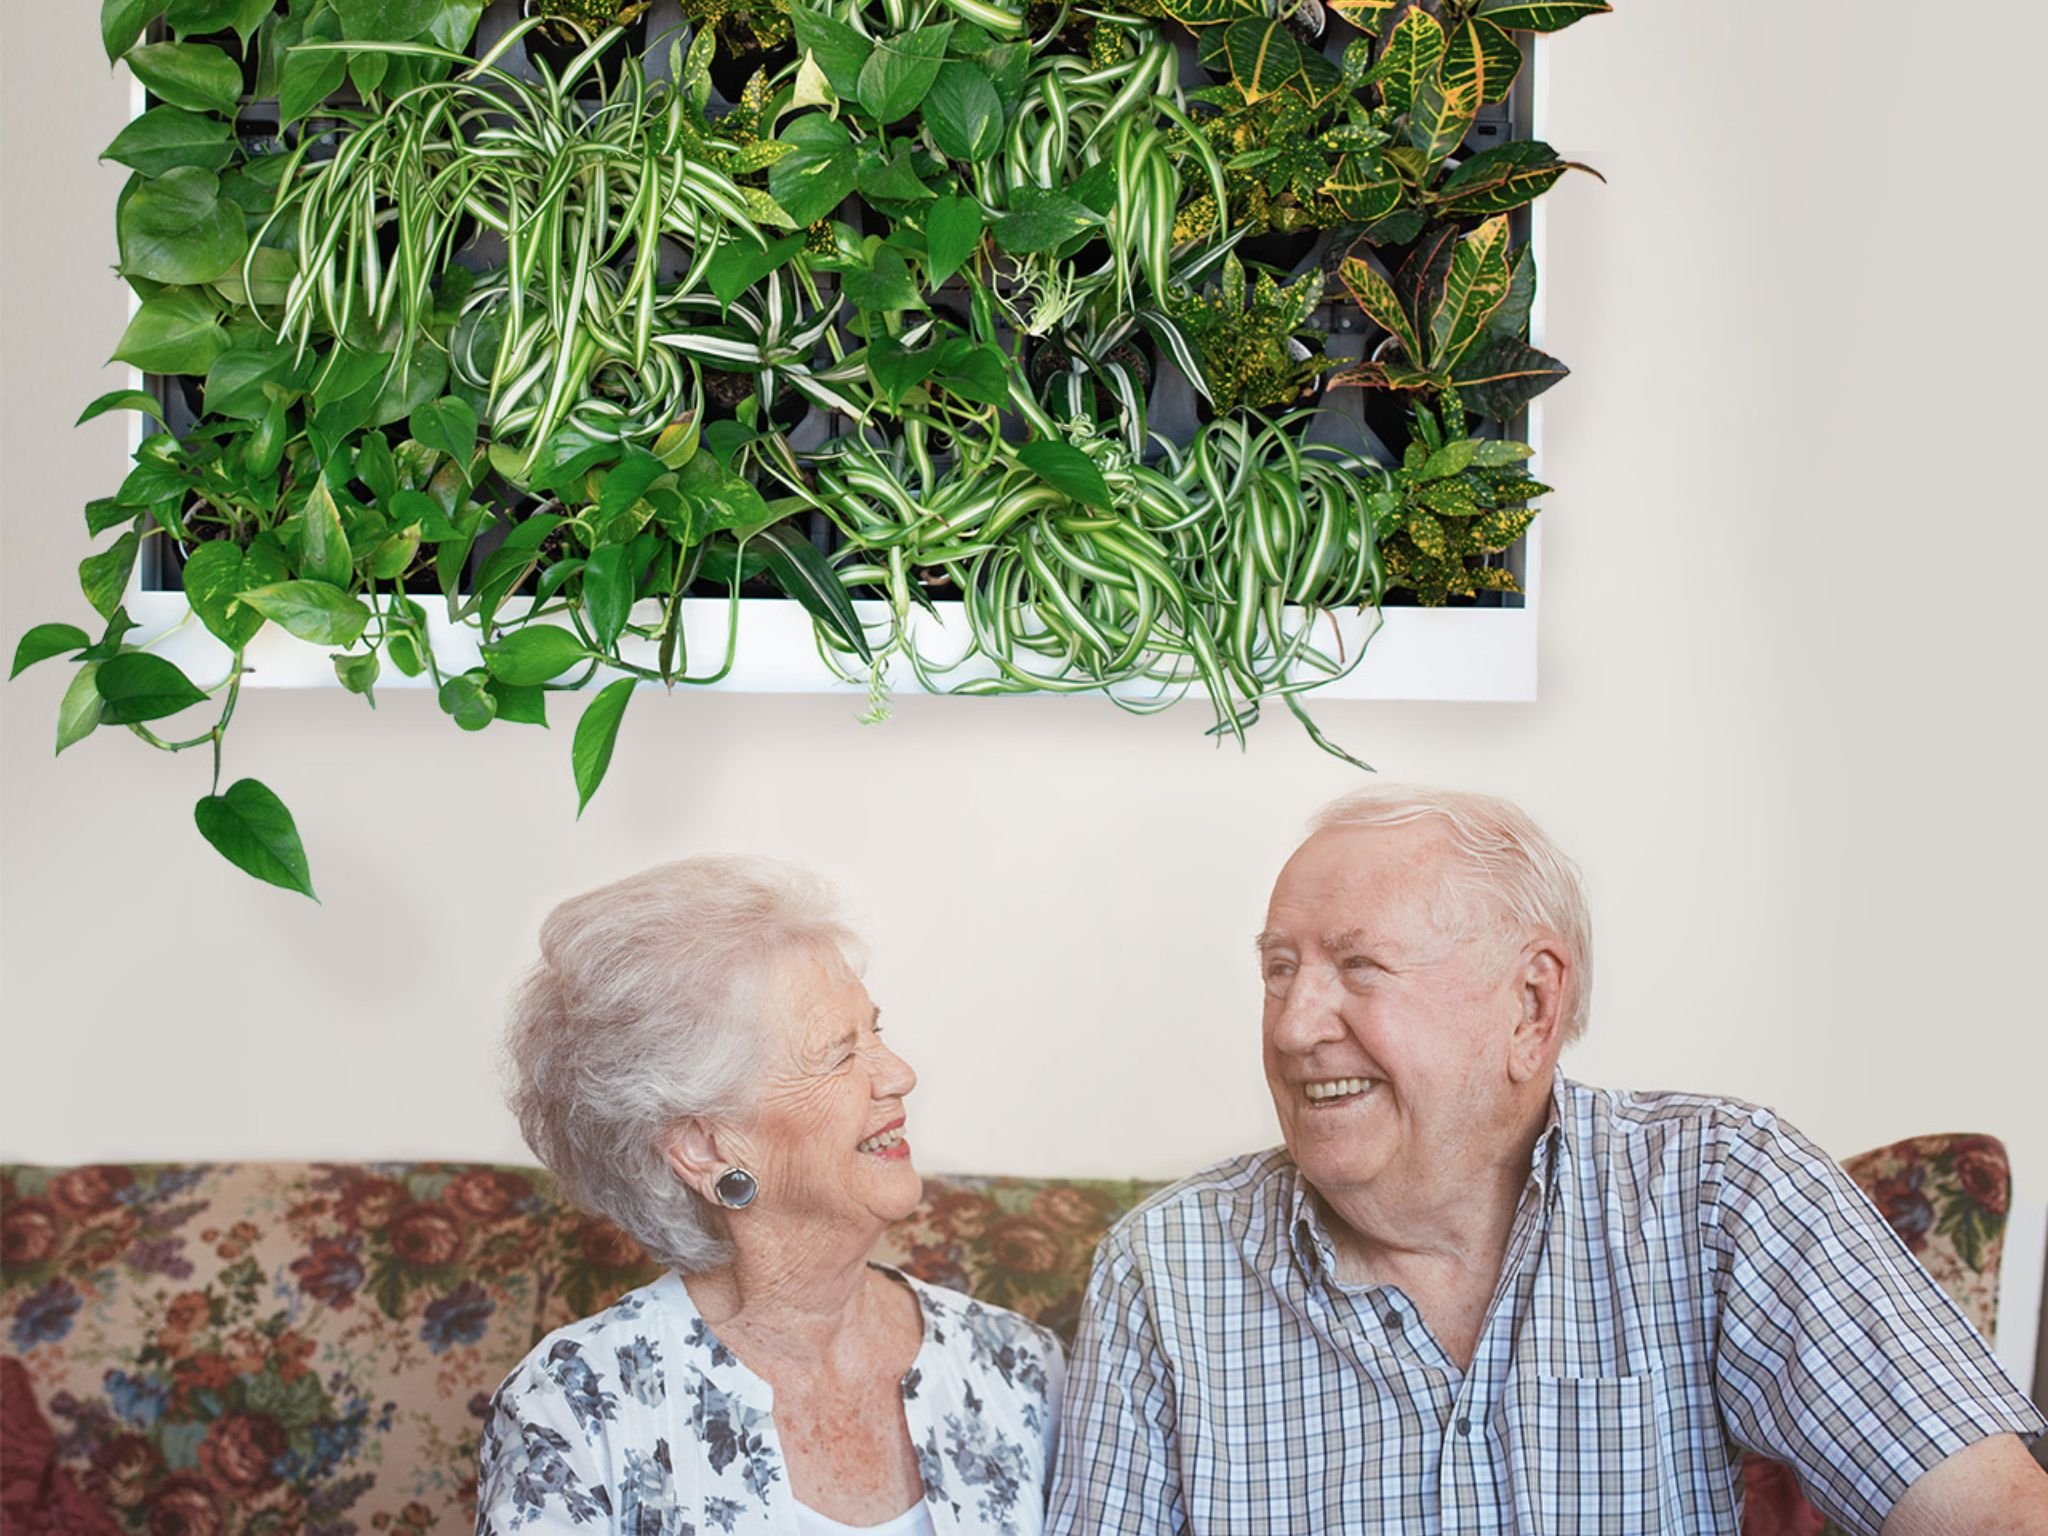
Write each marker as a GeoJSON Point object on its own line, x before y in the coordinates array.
{"type": "Point", "coordinates": [1947, 1198]}
{"type": "Point", "coordinates": [246, 1349]}
{"type": "Point", "coordinates": [241, 1349]}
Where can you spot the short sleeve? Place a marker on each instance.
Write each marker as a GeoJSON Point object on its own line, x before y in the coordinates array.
{"type": "Point", "coordinates": [544, 1460]}
{"type": "Point", "coordinates": [1835, 1351]}
{"type": "Point", "coordinates": [1118, 1474]}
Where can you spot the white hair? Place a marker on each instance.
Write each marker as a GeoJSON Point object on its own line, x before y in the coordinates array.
{"type": "Point", "coordinates": [649, 1007]}
{"type": "Point", "coordinates": [1502, 860]}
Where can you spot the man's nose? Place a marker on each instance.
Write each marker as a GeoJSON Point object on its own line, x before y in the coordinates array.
{"type": "Point", "coordinates": [1310, 1012]}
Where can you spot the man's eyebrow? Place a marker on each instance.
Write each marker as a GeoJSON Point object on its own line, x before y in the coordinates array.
{"type": "Point", "coordinates": [1350, 938]}
{"type": "Point", "coordinates": [1271, 938]}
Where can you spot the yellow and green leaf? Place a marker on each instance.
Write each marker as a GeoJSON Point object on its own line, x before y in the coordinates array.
{"type": "Point", "coordinates": [1477, 283]}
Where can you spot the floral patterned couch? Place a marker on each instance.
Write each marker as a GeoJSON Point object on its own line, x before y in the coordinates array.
{"type": "Point", "coordinates": [244, 1349]}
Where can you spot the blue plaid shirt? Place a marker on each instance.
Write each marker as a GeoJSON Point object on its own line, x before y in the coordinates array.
{"type": "Point", "coordinates": [1686, 1278]}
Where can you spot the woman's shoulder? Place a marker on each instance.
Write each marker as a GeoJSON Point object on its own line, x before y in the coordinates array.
{"type": "Point", "coordinates": [600, 1365]}
{"type": "Point", "coordinates": [990, 1341]}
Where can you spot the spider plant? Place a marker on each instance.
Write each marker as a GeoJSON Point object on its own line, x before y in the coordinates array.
{"type": "Point", "coordinates": [583, 199]}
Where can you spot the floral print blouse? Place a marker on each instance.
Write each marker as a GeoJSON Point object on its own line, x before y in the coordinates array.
{"type": "Point", "coordinates": [638, 1421]}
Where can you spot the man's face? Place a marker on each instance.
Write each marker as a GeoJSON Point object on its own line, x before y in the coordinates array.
{"type": "Point", "coordinates": [1386, 1036]}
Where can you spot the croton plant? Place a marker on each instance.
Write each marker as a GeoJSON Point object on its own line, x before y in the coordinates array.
{"type": "Point", "coordinates": [559, 315]}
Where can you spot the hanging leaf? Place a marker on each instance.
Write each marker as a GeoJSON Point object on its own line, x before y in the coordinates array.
{"type": "Point", "coordinates": [122, 21]}
{"type": "Point", "coordinates": [535, 653]}
{"type": "Point", "coordinates": [122, 400]}
{"type": "Point", "coordinates": [250, 828]}
{"type": "Point", "coordinates": [79, 713]}
{"type": "Point", "coordinates": [1498, 179]}
{"type": "Point", "coordinates": [214, 580]}
{"type": "Point", "coordinates": [1067, 469]}
{"type": "Point", "coordinates": [311, 610]}
{"type": "Point", "coordinates": [468, 700]}
{"type": "Point", "coordinates": [796, 566]}
{"type": "Point", "coordinates": [608, 592]}
{"type": "Point", "coordinates": [45, 641]}
{"type": "Point", "coordinates": [104, 577]}
{"type": "Point", "coordinates": [136, 686]}
{"type": "Point", "coordinates": [597, 732]}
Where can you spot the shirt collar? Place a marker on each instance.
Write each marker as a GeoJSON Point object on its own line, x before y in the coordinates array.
{"type": "Point", "coordinates": [1549, 1165]}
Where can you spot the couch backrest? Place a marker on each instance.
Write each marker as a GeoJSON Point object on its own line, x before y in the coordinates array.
{"type": "Point", "coordinates": [244, 1349]}
{"type": "Point", "coordinates": [231, 1349]}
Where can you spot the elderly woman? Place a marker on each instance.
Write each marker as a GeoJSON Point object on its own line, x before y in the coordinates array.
{"type": "Point", "coordinates": [697, 1059]}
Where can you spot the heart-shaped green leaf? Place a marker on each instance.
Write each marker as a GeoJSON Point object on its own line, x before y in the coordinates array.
{"type": "Point", "coordinates": [815, 176]}
{"type": "Point", "coordinates": [136, 686]}
{"type": "Point", "coordinates": [900, 71]}
{"type": "Point", "coordinates": [214, 580]}
{"type": "Point", "coordinates": [534, 654]}
{"type": "Point", "coordinates": [164, 138]}
{"type": "Point", "coordinates": [194, 75]}
{"type": "Point", "coordinates": [177, 331]}
{"type": "Point", "coordinates": [597, 732]}
{"type": "Point", "coordinates": [79, 713]}
{"type": "Point", "coordinates": [952, 231]}
{"type": "Point", "coordinates": [1066, 468]}
{"type": "Point", "coordinates": [312, 610]}
{"type": "Point", "coordinates": [250, 828]}
{"type": "Point", "coordinates": [963, 114]}
{"type": "Point", "coordinates": [104, 577]}
{"type": "Point", "coordinates": [179, 229]}
{"type": "Point", "coordinates": [838, 48]}
{"type": "Point", "coordinates": [45, 641]}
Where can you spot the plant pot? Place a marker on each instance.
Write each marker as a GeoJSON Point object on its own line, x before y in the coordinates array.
{"type": "Point", "coordinates": [1053, 356]}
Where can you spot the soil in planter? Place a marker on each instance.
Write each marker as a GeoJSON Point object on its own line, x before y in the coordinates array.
{"type": "Point", "coordinates": [724, 393]}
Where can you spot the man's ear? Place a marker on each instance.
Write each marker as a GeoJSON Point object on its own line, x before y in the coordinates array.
{"type": "Point", "coordinates": [1539, 1033]}
{"type": "Point", "coordinates": [695, 1153]}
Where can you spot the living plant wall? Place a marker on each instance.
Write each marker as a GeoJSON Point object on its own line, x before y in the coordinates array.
{"type": "Point", "coordinates": [1145, 338]}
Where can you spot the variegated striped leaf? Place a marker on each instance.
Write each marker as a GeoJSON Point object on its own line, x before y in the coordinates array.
{"type": "Point", "coordinates": [1477, 283]}
{"type": "Point", "coordinates": [1375, 295]}
{"type": "Point", "coordinates": [1411, 59]}
{"type": "Point", "coordinates": [1541, 15]}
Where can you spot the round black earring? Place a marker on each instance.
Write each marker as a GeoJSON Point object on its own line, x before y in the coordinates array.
{"type": "Point", "coordinates": [736, 1189]}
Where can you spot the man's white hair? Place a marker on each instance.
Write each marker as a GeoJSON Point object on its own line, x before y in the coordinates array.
{"type": "Point", "coordinates": [1506, 873]}
{"type": "Point", "coordinates": [649, 1007]}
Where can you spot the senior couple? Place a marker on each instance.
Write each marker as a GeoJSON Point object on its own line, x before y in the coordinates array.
{"type": "Point", "coordinates": [1467, 1294]}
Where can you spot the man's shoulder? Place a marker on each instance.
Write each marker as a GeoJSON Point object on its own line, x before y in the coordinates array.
{"type": "Point", "coordinates": [1234, 1196]}
{"type": "Point", "coordinates": [1664, 1132]}
{"type": "Point", "coordinates": [1661, 1112]}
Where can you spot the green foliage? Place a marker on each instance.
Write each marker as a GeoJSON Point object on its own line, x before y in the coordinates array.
{"type": "Point", "coordinates": [1254, 339]}
{"type": "Point", "coordinates": [1454, 501]}
{"type": "Point", "coordinates": [556, 345]}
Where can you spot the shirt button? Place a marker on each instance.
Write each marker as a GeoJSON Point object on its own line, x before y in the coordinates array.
{"type": "Point", "coordinates": [1393, 1319]}
{"type": "Point", "coordinates": [1464, 1426]}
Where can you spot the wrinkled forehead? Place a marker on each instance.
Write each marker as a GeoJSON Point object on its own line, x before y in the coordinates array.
{"type": "Point", "coordinates": [1345, 882]}
{"type": "Point", "coordinates": [810, 996]}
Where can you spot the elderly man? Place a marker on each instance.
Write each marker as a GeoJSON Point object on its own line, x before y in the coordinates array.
{"type": "Point", "coordinates": [1470, 1295]}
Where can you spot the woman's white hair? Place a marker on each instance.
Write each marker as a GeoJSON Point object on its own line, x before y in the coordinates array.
{"type": "Point", "coordinates": [1503, 861]}
{"type": "Point", "coordinates": [647, 1008]}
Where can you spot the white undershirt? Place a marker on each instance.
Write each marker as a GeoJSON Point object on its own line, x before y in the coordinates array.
{"type": "Point", "coordinates": [914, 1521]}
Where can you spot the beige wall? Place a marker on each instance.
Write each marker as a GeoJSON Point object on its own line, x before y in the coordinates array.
{"type": "Point", "coordinates": [1789, 718]}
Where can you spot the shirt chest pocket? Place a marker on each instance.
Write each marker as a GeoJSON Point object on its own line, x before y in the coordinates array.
{"type": "Point", "coordinates": [1585, 1457]}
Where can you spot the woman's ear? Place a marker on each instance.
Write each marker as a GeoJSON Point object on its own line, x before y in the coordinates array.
{"type": "Point", "coordinates": [1539, 1033]}
{"type": "Point", "coordinates": [694, 1153]}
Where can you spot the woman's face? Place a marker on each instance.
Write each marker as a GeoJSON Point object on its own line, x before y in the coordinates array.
{"type": "Point", "coordinates": [827, 1141]}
